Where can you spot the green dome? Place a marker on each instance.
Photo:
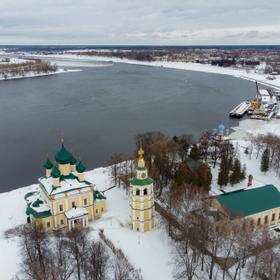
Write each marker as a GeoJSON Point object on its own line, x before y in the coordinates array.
{"type": "Point", "coordinates": [80, 167]}
{"type": "Point", "coordinates": [55, 172]}
{"type": "Point", "coordinates": [73, 160]}
{"type": "Point", "coordinates": [48, 164]}
{"type": "Point", "coordinates": [63, 156]}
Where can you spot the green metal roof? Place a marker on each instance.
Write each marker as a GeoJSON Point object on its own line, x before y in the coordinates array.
{"type": "Point", "coordinates": [55, 172]}
{"type": "Point", "coordinates": [80, 167]}
{"type": "Point", "coordinates": [141, 168]}
{"type": "Point", "coordinates": [63, 156]}
{"type": "Point", "coordinates": [98, 195]}
{"type": "Point", "coordinates": [73, 160]}
{"type": "Point", "coordinates": [250, 201]}
{"type": "Point", "coordinates": [30, 211]}
{"type": "Point", "coordinates": [28, 195]}
{"type": "Point", "coordinates": [48, 164]}
{"type": "Point", "coordinates": [141, 182]}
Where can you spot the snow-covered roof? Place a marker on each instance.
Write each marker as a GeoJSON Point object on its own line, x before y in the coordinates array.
{"type": "Point", "coordinates": [66, 184]}
{"type": "Point", "coordinates": [76, 212]}
{"type": "Point", "coordinates": [36, 205]}
{"type": "Point", "coordinates": [264, 92]}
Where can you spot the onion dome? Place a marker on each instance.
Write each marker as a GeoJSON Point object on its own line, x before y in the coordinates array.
{"type": "Point", "coordinates": [80, 167]}
{"type": "Point", "coordinates": [73, 161]}
{"type": "Point", "coordinates": [63, 156]}
{"type": "Point", "coordinates": [215, 130]}
{"type": "Point", "coordinates": [221, 127]}
{"type": "Point", "coordinates": [48, 164]}
{"type": "Point", "coordinates": [55, 172]}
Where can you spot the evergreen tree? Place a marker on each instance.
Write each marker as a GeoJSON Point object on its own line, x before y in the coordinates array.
{"type": "Point", "coordinates": [265, 160]}
{"type": "Point", "coordinates": [236, 175]}
{"type": "Point", "coordinates": [243, 174]}
{"type": "Point", "coordinates": [195, 152]}
{"type": "Point", "coordinates": [223, 173]}
{"type": "Point", "coordinates": [204, 176]}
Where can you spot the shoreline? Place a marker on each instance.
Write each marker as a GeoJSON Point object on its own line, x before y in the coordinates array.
{"type": "Point", "coordinates": [187, 66]}
{"type": "Point", "coordinates": [59, 71]}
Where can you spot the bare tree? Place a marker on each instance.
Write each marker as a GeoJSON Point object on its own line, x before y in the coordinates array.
{"type": "Point", "coordinates": [35, 251]}
{"type": "Point", "coordinates": [62, 266]}
{"type": "Point", "coordinates": [96, 264]}
{"type": "Point", "coordinates": [186, 262]}
{"type": "Point", "coordinates": [77, 244]}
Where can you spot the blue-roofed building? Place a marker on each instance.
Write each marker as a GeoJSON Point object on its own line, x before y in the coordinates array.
{"type": "Point", "coordinates": [221, 133]}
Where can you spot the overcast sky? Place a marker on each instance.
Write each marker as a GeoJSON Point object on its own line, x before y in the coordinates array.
{"type": "Point", "coordinates": [170, 22]}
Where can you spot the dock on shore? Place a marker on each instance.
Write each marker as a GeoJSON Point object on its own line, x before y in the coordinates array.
{"type": "Point", "coordinates": [240, 110]}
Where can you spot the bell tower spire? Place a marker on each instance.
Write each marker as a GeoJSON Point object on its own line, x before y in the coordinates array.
{"type": "Point", "coordinates": [141, 161]}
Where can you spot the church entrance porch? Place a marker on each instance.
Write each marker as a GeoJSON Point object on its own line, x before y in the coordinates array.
{"type": "Point", "coordinates": [77, 218]}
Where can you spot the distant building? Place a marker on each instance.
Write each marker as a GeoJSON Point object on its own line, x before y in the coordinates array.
{"type": "Point", "coordinates": [266, 97]}
{"type": "Point", "coordinates": [142, 208]}
{"type": "Point", "coordinates": [65, 198]}
{"type": "Point", "coordinates": [221, 133]}
{"type": "Point", "coordinates": [260, 205]}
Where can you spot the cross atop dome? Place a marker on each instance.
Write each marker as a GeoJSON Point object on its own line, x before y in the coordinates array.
{"type": "Point", "coordinates": [141, 161]}
{"type": "Point", "coordinates": [141, 151]}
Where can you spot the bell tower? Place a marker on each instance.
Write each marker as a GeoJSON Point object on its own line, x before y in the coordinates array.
{"type": "Point", "coordinates": [142, 207]}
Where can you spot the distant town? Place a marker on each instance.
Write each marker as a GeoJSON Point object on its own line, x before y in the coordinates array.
{"type": "Point", "coordinates": [248, 58]}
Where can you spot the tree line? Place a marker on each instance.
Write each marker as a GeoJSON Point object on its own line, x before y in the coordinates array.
{"type": "Point", "coordinates": [21, 69]}
{"type": "Point", "coordinates": [63, 255]}
{"type": "Point", "coordinates": [221, 248]}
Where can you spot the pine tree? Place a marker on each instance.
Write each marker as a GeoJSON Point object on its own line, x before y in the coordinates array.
{"type": "Point", "coordinates": [204, 176]}
{"type": "Point", "coordinates": [236, 174]}
{"type": "Point", "coordinates": [223, 173]}
{"type": "Point", "coordinates": [195, 152]}
{"type": "Point", "coordinates": [243, 174]}
{"type": "Point", "coordinates": [265, 160]}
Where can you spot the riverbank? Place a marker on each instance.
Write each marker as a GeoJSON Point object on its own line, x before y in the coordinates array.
{"type": "Point", "coordinates": [34, 75]}
{"type": "Point", "coordinates": [189, 66]}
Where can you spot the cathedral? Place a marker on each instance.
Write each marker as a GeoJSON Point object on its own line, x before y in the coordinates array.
{"type": "Point", "coordinates": [142, 208]}
{"type": "Point", "coordinates": [65, 199]}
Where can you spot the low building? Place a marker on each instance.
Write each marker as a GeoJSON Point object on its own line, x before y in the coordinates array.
{"type": "Point", "coordinates": [65, 198]}
{"type": "Point", "coordinates": [221, 134]}
{"type": "Point", "coordinates": [260, 205]}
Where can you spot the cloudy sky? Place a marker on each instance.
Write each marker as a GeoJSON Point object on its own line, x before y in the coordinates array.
{"type": "Point", "coordinates": [140, 22]}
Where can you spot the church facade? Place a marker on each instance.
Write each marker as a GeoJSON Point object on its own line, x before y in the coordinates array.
{"type": "Point", "coordinates": [142, 208]}
{"type": "Point", "coordinates": [65, 199]}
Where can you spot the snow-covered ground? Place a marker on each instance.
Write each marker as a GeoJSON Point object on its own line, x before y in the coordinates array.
{"type": "Point", "coordinates": [14, 60]}
{"type": "Point", "coordinates": [254, 127]}
{"type": "Point", "coordinates": [148, 251]}
{"type": "Point", "coordinates": [241, 139]}
{"type": "Point", "coordinates": [151, 252]}
{"type": "Point", "coordinates": [33, 74]}
{"type": "Point", "coordinates": [238, 73]}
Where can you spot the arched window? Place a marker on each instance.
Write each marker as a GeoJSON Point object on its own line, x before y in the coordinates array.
{"type": "Point", "coordinates": [145, 191]}
{"type": "Point", "coordinates": [137, 192]}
